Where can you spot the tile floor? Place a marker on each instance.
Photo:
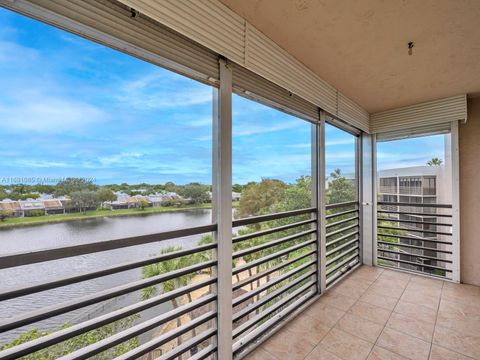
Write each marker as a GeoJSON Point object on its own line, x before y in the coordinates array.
{"type": "Point", "coordinates": [378, 314]}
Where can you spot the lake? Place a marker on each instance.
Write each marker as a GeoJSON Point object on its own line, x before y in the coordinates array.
{"type": "Point", "coordinates": [45, 236]}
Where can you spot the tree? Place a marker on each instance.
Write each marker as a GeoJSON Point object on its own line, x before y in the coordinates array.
{"type": "Point", "coordinates": [237, 188]}
{"type": "Point", "coordinates": [435, 162]}
{"type": "Point", "coordinates": [91, 337]}
{"type": "Point", "coordinates": [167, 266]}
{"type": "Point", "coordinates": [83, 200]}
{"type": "Point", "coordinates": [105, 194]}
{"type": "Point", "coordinates": [5, 214]}
{"type": "Point", "coordinates": [340, 189]}
{"type": "Point", "coordinates": [71, 185]}
{"type": "Point", "coordinates": [197, 193]}
{"type": "Point", "coordinates": [143, 204]}
{"type": "Point", "coordinates": [257, 198]}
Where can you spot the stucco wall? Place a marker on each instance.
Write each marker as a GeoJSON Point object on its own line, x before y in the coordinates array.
{"type": "Point", "coordinates": [470, 194]}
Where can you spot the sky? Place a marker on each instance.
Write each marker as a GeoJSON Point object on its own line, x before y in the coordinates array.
{"type": "Point", "coordinates": [73, 108]}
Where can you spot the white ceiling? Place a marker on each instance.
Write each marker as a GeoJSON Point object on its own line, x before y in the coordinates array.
{"type": "Point", "coordinates": [360, 47]}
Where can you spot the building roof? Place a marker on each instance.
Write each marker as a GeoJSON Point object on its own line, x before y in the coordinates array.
{"type": "Point", "coordinates": [52, 204]}
{"type": "Point", "coordinates": [9, 205]}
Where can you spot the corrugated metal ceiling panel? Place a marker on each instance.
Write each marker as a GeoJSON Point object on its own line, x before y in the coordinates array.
{"type": "Point", "coordinates": [209, 23]}
{"type": "Point", "coordinates": [424, 114]}
{"type": "Point", "coordinates": [111, 23]}
{"type": "Point", "coordinates": [254, 86]}
{"type": "Point", "coordinates": [352, 113]}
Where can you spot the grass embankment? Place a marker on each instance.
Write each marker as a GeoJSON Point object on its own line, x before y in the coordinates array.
{"type": "Point", "coordinates": [45, 219]}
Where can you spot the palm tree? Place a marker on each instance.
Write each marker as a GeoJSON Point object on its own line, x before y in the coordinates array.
{"type": "Point", "coordinates": [169, 285]}
{"type": "Point", "coordinates": [435, 162]}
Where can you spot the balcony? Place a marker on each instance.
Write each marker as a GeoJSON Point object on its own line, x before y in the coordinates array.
{"type": "Point", "coordinates": [356, 145]}
{"type": "Point", "coordinates": [382, 314]}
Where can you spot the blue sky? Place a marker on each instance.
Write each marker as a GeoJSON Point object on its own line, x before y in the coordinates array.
{"type": "Point", "coordinates": [70, 107]}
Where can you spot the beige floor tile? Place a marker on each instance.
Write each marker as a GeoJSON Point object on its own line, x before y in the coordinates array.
{"type": "Point", "coordinates": [395, 275]}
{"type": "Point", "coordinates": [470, 310]}
{"type": "Point", "coordinates": [309, 328]}
{"type": "Point", "coordinates": [360, 283]}
{"type": "Point", "coordinates": [411, 326]}
{"type": "Point", "coordinates": [327, 315]}
{"type": "Point", "coordinates": [379, 353]}
{"type": "Point", "coordinates": [387, 288]}
{"type": "Point", "coordinates": [439, 353]}
{"type": "Point", "coordinates": [462, 293]}
{"type": "Point", "coordinates": [468, 345]}
{"type": "Point", "coordinates": [370, 312]}
{"type": "Point", "coordinates": [320, 353]}
{"type": "Point", "coordinates": [403, 344]}
{"type": "Point", "coordinates": [346, 346]}
{"type": "Point", "coordinates": [416, 311]}
{"type": "Point", "coordinates": [348, 289]}
{"type": "Point", "coordinates": [421, 299]}
{"type": "Point", "coordinates": [337, 300]}
{"type": "Point", "coordinates": [368, 272]}
{"type": "Point", "coordinates": [260, 354]}
{"type": "Point", "coordinates": [421, 288]}
{"type": "Point", "coordinates": [379, 299]}
{"type": "Point", "coordinates": [456, 318]}
{"type": "Point", "coordinates": [364, 329]}
{"type": "Point", "coordinates": [426, 281]}
{"type": "Point", "coordinates": [287, 345]}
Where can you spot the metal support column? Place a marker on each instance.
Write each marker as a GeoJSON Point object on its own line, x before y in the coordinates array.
{"type": "Point", "coordinates": [455, 202]}
{"type": "Point", "coordinates": [321, 232]}
{"type": "Point", "coordinates": [368, 199]}
{"type": "Point", "coordinates": [222, 200]}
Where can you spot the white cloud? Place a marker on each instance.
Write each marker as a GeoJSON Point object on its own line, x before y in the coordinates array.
{"type": "Point", "coordinates": [339, 142]}
{"type": "Point", "coordinates": [201, 122]}
{"type": "Point", "coordinates": [15, 53]}
{"type": "Point", "coordinates": [40, 113]}
{"type": "Point", "coordinates": [120, 159]}
{"type": "Point", "coordinates": [253, 129]}
{"type": "Point", "coordinates": [153, 92]}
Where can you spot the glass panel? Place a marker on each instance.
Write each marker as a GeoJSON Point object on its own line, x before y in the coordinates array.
{"type": "Point", "coordinates": [340, 165]}
{"type": "Point", "coordinates": [275, 258]}
{"type": "Point", "coordinates": [97, 145]}
{"type": "Point", "coordinates": [422, 168]}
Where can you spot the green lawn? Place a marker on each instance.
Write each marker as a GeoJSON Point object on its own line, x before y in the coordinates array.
{"type": "Point", "coordinates": [14, 222]}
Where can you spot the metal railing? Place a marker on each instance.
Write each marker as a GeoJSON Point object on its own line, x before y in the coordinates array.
{"type": "Point", "coordinates": [275, 271]}
{"type": "Point", "coordinates": [276, 268]}
{"type": "Point", "coordinates": [342, 239]}
{"type": "Point", "coordinates": [194, 317]}
{"type": "Point", "coordinates": [418, 241]}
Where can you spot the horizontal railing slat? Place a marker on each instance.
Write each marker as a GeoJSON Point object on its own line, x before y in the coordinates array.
{"type": "Point", "coordinates": [156, 342]}
{"type": "Point", "coordinates": [77, 329]}
{"type": "Point", "coordinates": [264, 300]}
{"type": "Point", "coordinates": [440, 206]}
{"type": "Point", "coordinates": [259, 317]}
{"type": "Point", "coordinates": [413, 213]}
{"type": "Point", "coordinates": [414, 247]}
{"type": "Point", "coordinates": [268, 258]}
{"type": "Point", "coordinates": [413, 222]}
{"type": "Point", "coordinates": [118, 338]}
{"type": "Point", "coordinates": [415, 264]}
{"type": "Point", "coordinates": [33, 257]}
{"type": "Point", "coordinates": [271, 231]}
{"type": "Point", "coordinates": [414, 230]}
{"type": "Point", "coordinates": [57, 309]}
{"type": "Point", "coordinates": [248, 295]}
{"type": "Point", "coordinates": [340, 205]}
{"type": "Point", "coordinates": [273, 243]}
{"type": "Point", "coordinates": [271, 270]}
{"type": "Point", "coordinates": [269, 217]}
{"type": "Point", "coordinates": [414, 255]}
{"type": "Point", "coordinates": [22, 291]}
{"type": "Point", "coordinates": [416, 239]}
